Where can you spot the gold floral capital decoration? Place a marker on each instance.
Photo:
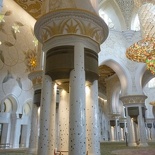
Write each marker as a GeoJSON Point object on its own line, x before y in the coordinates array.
{"type": "Point", "coordinates": [143, 51]}
{"type": "Point", "coordinates": [36, 78]}
{"type": "Point", "coordinates": [71, 22]}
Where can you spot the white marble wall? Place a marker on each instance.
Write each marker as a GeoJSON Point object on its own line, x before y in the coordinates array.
{"type": "Point", "coordinates": [14, 83]}
{"type": "Point", "coordinates": [63, 122]}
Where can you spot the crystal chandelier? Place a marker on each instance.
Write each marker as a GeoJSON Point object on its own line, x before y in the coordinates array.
{"type": "Point", "coordinates": [143, 51]}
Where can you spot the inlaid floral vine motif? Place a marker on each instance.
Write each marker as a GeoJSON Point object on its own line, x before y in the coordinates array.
{"type": "Point", "coordinates": [31, 60]}
{"type": "Point", "coordinates": [13, 54]}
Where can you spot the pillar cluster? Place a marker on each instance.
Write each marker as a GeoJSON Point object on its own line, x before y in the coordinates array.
{"type": "Point", "coordinates": [71, 40]}
{"type": "Point", "coordinates": [135, 113]}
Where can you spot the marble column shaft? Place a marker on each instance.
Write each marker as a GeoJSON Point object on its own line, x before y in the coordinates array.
{"type": "Point", "coordinates": [45, 109]}
{"type": "Point", "coordinates": [131, 131]}
{"type": "Point", "coordinates": [142, 130]}
{"type": "Point", "coordinates": [33, 146]}
{"type": "Point", "coordinates": [53, 119]}
{"type": "Point", "coordinates": [92, 116]}
{"type": "Point", "coordinates": [5, 137]}
{"type": "Point", "coordinates": [77, 117]}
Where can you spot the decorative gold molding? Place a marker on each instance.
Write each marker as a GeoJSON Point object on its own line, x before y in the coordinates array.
{"type": "Point", "coordinates": [73, 22]}
{"type": "Point", "coordinates": [133, 99]}
{"type": "Point", "coordinates": [33, 7]}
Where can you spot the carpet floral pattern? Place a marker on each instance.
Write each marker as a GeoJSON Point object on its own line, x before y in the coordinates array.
{"type": "Point", "coordinates": [107, 148]}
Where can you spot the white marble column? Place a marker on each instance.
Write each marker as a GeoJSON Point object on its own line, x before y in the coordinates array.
{"type": "Point", "coordinates": [122, 134]}
{"type": "Point", "coordinates": [131, 131]}
{"type": "Point", "coordinates": [15, 131]}
{"type": "Point", "coordinates": [24, 129]}
{"type": "Point", "coordinates": [53, 119]}
{"type": "Point", "coordinates": [125, 131]}
{"type": "Point", "coordinates": [77, 117]}
{"type": "Point", "coordinates": [63, 121]}
{"type": "Point", "coordinates": [36, 78]}
{"type": "Point", "coordinates": [56, 126]}
{"type": "Point", "coordinates": [149, 133]}
{"type": "Point", "coordinates": [92, 117]}
{"type": "Point", "coordinates": [112, 133]}
{"type": "Point", "coordinates": [153, 133]}
{"type": "Point", "coordinates": [45, 109]}
{"type": "Point", "coordinates": [5, 133]}
{"type": "Point", "coordinates": [142, 131]}
{"type": "Point", "coordinates": [33, 145]}
{"type": "Point", "coordinates": [116, 130]}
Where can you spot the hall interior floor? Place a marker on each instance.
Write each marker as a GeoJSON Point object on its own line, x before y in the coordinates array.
{"type": "Point", "coordinates": [107, 148]}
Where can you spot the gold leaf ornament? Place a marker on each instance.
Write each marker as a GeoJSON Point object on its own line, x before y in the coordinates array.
{"type": "Point", "coordinates": [71, 28]}
{"type": "Point", "coordinates": [1, 56]}
{"type": "Point", "coordinates": [7, 43]}
{"type": "Point", "coordinates": [2, 18]}
{"type": "Point", "coordinates": [14, 34]}
{"type": "Point", "coordinates": [19, 23]}
{"type": "Point", "coordinates": [8, 13]}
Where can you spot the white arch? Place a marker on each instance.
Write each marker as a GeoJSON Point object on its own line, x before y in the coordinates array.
{"type": "Point", "coordinates": [14, 102]}
{"type": "Point", "coordinates": [114, 13]}
{"type": "Point", "coordinates": [27, 107]}
{"type": "Point", "coordinates": [121, 72]}
{"type": "Point", "coordinates": [115, 98]}
{"type": "Point", "coordinates": [144, 75]}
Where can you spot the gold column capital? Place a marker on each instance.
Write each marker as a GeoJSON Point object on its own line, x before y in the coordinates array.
{"type": "Point", "coordinates": [36, 78]}
{"type": "Point", "coordinates": [71, 22]}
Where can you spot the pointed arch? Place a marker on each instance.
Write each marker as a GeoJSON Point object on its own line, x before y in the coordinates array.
{"type": "Point", "coordinates": [27, 107]}
{"type": "Point", "coordinates": [11, 103]}
{"type": "Point", "coordinates": [121, 72]}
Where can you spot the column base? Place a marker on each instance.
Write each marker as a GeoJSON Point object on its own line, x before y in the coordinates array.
{"type": "Point", "coordinates": [143, 145]}
{"type": "Point", "coordinates": [132, 144]}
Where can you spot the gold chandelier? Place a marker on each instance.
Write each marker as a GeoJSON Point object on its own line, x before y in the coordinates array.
{"type": "Point", "coordinates": [143, 51]}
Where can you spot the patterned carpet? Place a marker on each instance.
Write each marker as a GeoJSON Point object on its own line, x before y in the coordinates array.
{"type": "Point", "coordinates": [107, 148]}
{"type": "Point", "coordinates": [120, 148]}
{"type": "Point", "coordinates": [134, 152]}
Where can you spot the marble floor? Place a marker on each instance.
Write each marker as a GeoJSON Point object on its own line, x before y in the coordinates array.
{"type": "Point", "coordinates": [107, 148]}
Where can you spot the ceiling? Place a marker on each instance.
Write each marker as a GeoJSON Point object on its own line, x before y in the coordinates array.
{"type": "Point", "coordinates": [104, 73]}
{"type": "Point", "coordinates": [33, 7]}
